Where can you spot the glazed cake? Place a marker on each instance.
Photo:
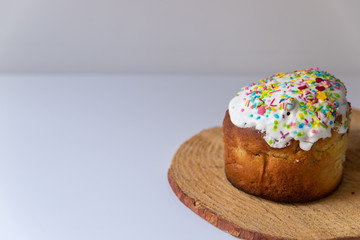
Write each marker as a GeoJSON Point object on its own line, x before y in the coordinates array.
{"type": "Point", "coordinates": [285, 137]}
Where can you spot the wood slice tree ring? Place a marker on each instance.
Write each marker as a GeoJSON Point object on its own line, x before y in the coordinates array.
{"type": "Point", "coordinates": [197, 177]}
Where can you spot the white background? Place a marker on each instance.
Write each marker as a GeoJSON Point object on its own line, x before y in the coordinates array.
{"type": "Point", "coordinates": [96, 97]}
{"type": "Point", "coordinates": [86, 157]}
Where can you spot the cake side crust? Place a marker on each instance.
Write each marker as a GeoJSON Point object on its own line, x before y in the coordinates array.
{"type": "Point", "coordinates": [287, 174]}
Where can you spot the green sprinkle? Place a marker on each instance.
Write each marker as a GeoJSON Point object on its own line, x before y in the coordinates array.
{"type": "Point", "coordinates": [271, 142]}
{"type": "Point", "coordinates": [323, 125]}
{"type": "Point", "coordinates": [275, 128]}
{"type": "Point", "coordinates": [276, 122]}
{"type": "Point", "coordinates": [300, 134]}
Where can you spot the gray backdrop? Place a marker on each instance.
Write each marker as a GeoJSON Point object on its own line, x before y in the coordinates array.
{"type": "Point", "coordinates": [188, 36]}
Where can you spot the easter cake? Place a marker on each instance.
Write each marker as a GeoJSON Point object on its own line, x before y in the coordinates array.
{"type": "Point", "coordinates": [285, 137]}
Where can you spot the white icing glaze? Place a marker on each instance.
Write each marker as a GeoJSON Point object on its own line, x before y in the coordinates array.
{"type": "Point", "coordinates": [301, 105]}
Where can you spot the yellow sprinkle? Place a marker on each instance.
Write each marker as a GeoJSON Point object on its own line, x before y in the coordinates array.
{"type": "Point", "coordinates": [316, 124]}
{"type": "Point", "coordinates": [329, 115]}
{"type": "Point", "coordinates": [322, 96]}
{"type": "Point", "coordinates": [301, 115]}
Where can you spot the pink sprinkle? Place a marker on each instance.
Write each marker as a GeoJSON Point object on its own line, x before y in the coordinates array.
{"type": "Point", "coordinates": [302, 87]}
{"type": "Point", "coordinates": [315, 68]}
{"type": "Point", "coordinates": [261, 110]}
{"type": "Point", "coordinates": [252, 106]}
{"type": "Point", "coordinates": [306, 121]}
{"type": "Point", "coordinates": [275, 91]}
{"type": "Point", "coordinates": [314, 131]}
{"type": "Point", "coordinates": [271, 104]}
{"type": "Point", "coordinates": [327, 82]}
{"type": "Point", "coordinates": [283, 135]}
{"type": "Point", "coordinates": [242, 110]}
{"type": "Point", "coordinates": [292, 124]}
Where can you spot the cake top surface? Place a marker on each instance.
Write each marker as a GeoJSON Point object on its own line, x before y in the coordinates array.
{"type": "Point", "coordinates": [304, 105]}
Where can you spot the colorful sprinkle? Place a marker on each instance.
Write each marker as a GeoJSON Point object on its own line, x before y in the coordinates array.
{"type": "Point", "coordinates": [261, 110]}
{"type": "Point", "coordinates": [320, 88]}
{"type": "Point", "coordinates": [299, 104]}
{"type": "Point", "coordinates": [322, 96]}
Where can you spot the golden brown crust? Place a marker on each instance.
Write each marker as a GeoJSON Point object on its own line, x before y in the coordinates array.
{"type": "Point", "coordinates": [287, 174]}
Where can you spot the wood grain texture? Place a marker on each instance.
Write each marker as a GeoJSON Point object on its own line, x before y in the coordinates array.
{"type": "Point", "coordinates": [197, 177]}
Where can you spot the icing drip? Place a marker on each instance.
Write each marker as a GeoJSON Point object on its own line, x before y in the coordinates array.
{"type": "Point", "coordinates": [303, 105]}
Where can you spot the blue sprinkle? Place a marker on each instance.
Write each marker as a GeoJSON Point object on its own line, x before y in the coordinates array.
{"type": "Point", "coordinates": [258, 118]}
{"type": "Point", "coordinates": [267, 115]}
{"type": "Point", "coordinates": [301, 125]}
{"type": "Point", "coordinates": [276, 116]}
{"type": "Point", "coordinates": [251, 115]}
{"type": "Point", "coordinates": [331, 122]}
{"type": "Point", "coordinates": [295, 132]}
{"type": "Point", "coordinates": [309, 125]}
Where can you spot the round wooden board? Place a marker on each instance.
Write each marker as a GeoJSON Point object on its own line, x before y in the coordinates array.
{"type": "Point", "coordinates": [197, 177]}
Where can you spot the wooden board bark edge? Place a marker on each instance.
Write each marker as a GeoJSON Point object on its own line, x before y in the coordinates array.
{"type": "Point", "coordinates": [221, 223]}
{"type": "Point", "coordinates": [214, 219]}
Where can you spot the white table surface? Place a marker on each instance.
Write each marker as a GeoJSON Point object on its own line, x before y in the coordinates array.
{"type": "Point", "coordinates": [86, 157]}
